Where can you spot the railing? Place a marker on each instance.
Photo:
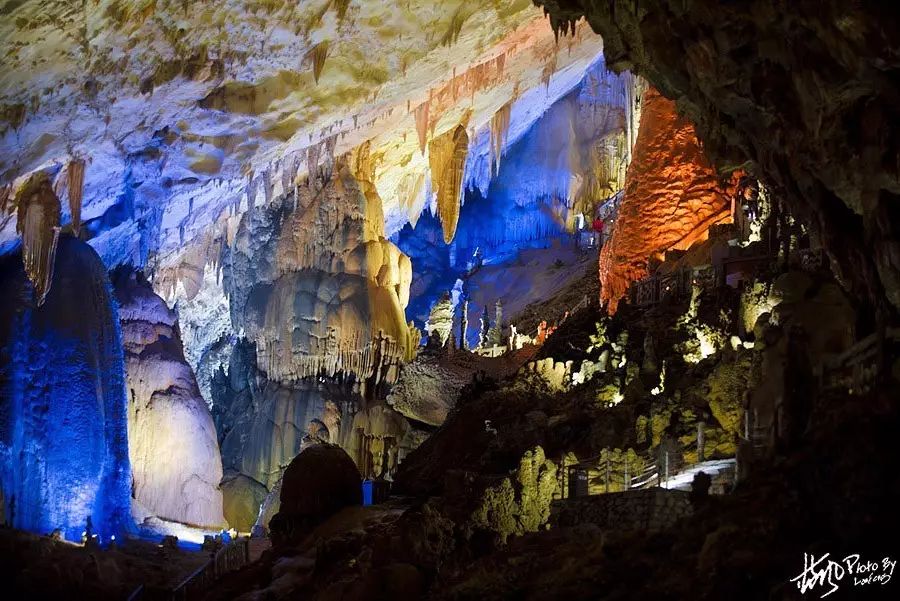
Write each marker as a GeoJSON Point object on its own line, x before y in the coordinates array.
{"type": "Point", "coordinates": [228, 558]}
{"type": "Point", "coordinates": [612, 471]}
{"type": "Point", "coordinates": [672, 286]}
{"type": "Point", "coordinates": [491, 351]}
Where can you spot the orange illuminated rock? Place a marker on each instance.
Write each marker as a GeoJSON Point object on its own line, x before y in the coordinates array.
{"type": "Point", "coordinates": [672, 197]}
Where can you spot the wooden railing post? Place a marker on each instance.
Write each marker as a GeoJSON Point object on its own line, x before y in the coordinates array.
{"type": "Point", "coordinates": [701, 441]}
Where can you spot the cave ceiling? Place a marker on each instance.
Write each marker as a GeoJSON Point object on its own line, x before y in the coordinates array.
{"type": "Point", "coordinates": [186, 113]}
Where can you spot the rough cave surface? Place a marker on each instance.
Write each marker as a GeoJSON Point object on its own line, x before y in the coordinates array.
{"type": "Point", "coordinates": [806, 95]}
{"type": "Point", "coordinates": [672, 197]}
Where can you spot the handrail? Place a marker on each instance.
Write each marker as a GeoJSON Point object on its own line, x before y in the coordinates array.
{"type": "Point", "coordinates": [229, 557]}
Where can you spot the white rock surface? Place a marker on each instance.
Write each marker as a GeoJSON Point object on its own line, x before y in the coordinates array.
{"type": "Point", "coordinates": [172, 441]}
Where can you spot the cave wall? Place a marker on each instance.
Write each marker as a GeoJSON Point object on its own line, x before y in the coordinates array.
{"type": "Point", "coordinates": [804, 93]}
{"type": "Point", "coordinates": [672, 196]}
{"type": "Point", "coordinates": [63, 420]}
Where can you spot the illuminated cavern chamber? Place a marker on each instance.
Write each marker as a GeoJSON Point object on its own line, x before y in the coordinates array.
{"type": "Point", "coordinates": [325, 316]}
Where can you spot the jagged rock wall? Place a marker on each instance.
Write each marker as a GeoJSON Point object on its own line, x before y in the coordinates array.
{"type": "Point", "coordinates": [172, 441]}
{"type": "Point", "coordinates": [63, 431]}
{"type": "Point", "coordinates": [672, 197]}
{"type": "Point", "coordinates": [806, 92]}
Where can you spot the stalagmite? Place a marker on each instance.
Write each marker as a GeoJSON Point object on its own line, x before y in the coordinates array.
{"type": "Point", "coordinates": [499, 132]}
{"type": "Point", "coordinates": [318, 54]}
{"type": "Point", "coordinates": [447, 160]}
{"type": "Point", "coordinates": [38, 224]}
{"type": "Point", "coordinates": [75, 183]}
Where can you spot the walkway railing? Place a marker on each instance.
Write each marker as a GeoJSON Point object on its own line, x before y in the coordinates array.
{"type": "Point", "coordinates": [228, 558]}
{"type": "Point", "coordinates": [621, 470]}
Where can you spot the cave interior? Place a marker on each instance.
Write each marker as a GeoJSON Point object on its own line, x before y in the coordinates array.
{"type": "Point", "coordinates": [351, 299]}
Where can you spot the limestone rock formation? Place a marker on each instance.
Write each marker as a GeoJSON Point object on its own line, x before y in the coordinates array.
{"type": "Point", "coordinates": [515, 508]}
{"type": "Point", "coordinates": [38, 216]}
{"type": "Point", "coordinates": [447, 159]}
{"type": "Point", "coordinates": [672, 197]}
{"type": "Point", "coordinates": [172, 443]}
{"type": "Point", "coordinates": [321, 305]}
{"type": "Point", "coordinates": [182, 131]}
{"type": "Point", "coordinates": [428, 389]}
{"type": "Point", "coordinates": [243, 497]}
{"type": "Point", "coordinates": [267, 426]}
{"type": "Point", "coordinates": [63, 420]}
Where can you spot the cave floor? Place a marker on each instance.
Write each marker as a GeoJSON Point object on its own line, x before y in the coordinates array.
{"type": "Point", "coordinates": [44, 566]}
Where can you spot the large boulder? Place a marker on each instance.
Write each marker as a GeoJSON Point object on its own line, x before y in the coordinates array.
{"type": "Point", "coordinates": [319, 482]}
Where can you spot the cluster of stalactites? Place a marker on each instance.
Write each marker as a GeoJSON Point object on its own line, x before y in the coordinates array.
{"type": "Point", "coordinates": [380, 358]}
{"type": "Point", "coordinates": [38, 224]}
{"type": "Point", "coordinates": [479, 77]}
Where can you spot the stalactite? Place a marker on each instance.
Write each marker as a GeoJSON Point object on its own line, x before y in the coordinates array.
{"type": "Point", "coordinates": [422, 124]}
{"type": "Point", "coordinates": [267, 186]}
{"type": "Point", "coordinates": [318, 54]}
{"type": "Point", "coordinates": [75, 183]}
{"type": "Point", "coordinates": [548, 71]}
{"type": "Point", "coordinates": [38, 224]}
{"type": "Point", "coordinates": [499, 132]}
{"type": "Point", "coordinates": [287, 179]}
{"type": "Point", "coordinates": [410, 195]}
{"type": "Point", "coordinates": [454, 29]}
{"type": "Point", "coordinates": [447, 160]}
{"type": "Point", "coordinates": [312, 164]}
{"type": "Point", "coordinates": [252, 184]}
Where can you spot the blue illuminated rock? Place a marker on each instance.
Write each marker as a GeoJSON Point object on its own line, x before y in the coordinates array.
{"type": "Point", "coordinates": [63, 433]}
